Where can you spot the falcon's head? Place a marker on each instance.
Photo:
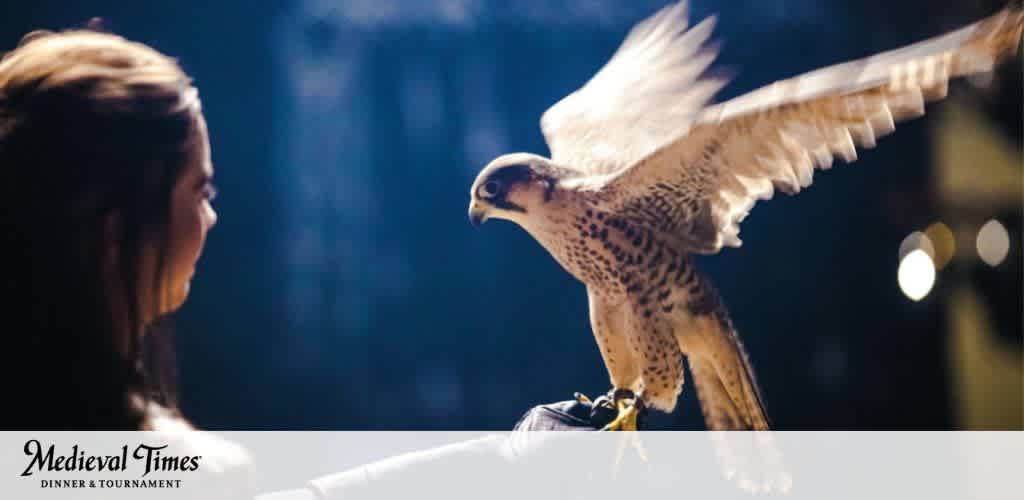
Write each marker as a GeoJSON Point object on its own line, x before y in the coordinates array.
{"type": "Point", "coordinates": [512, 186]}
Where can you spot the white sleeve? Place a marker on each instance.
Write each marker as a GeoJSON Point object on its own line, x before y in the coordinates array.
{"type": "Point", "coordinates": [481, 467]}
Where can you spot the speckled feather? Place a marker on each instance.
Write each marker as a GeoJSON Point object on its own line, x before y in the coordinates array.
{"type": "Point", "coordinates": [650, 306]}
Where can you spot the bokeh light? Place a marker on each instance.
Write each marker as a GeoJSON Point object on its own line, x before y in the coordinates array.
{"type": "Point", "coordinates": [917, 241]}
{"type": "Point", "coordinates": [993, 243]}
{"type": "Point", "coordinates": [943, 243]}
{"type": "Point", "coordinates": [916, 274]}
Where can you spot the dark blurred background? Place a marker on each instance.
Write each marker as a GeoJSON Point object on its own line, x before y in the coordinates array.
{"type": "Point", "coordinates": [344, 289]}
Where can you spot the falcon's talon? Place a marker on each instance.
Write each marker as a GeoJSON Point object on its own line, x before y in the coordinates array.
{"type": "Point", "coordinates": [638, 445]}
{"type": "Point", "coordinates": [628, 406]}
{"type": "Point", "coordinates": [582, 398]}
{"type": "Point", "coordinates": [625, 421]}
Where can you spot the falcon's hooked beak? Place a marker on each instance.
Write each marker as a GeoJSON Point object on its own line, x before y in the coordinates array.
{"type": "Point", "coordinates": [477, 213]}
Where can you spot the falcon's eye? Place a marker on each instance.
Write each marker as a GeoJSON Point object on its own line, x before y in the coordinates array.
{"type": "Point", "coordinates": [491, 189]}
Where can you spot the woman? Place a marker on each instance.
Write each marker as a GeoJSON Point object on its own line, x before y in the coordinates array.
{"type": "Point", "coordinates": [105, 165]}
{"type": "Point", "coordinates": [106, 169]}
{"type": "Point", "coordinates": [106, 177]}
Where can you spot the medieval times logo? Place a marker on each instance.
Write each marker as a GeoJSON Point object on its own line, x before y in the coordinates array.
{"type": "Point", "coordinates": [142, 458]}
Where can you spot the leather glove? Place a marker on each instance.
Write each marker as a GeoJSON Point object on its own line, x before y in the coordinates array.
{"type": "Point", "coordinates": [573, 415]}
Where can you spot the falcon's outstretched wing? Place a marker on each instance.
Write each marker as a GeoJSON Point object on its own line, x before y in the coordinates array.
{"type": "Point", "coordinates": [645, 96]}
{"type": "Point", "coordinates": [773, 138]}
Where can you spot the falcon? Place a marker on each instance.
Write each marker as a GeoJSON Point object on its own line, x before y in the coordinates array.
{"type": "Point", "coordinates": [646, 170]}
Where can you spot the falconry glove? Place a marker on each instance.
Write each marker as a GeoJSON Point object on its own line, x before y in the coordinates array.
{"type": "Point", "coordinates": [578, 414]}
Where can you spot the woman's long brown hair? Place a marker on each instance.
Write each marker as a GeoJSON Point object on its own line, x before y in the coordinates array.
{"type": "Point", "coordinates": [94, 132]}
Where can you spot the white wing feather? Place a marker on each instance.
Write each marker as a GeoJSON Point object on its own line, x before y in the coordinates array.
{"type": "Point", "coordinates": [644, 97]}
{"type": "Point", "coordinates": [773, 138]}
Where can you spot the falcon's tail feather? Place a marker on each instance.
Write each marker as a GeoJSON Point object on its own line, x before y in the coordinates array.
{"type": "Point", "coordinates": [731, 400]}
{"type": "Point", "coordinates": [757, 400]}
{"type": "Point", "coordinates": [729, 395]}
{"type": "Point", "coordinates": [728, 392]}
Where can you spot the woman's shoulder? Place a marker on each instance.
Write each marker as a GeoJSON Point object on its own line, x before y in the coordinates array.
{"type": "Point", "coordinates": [223, 469]}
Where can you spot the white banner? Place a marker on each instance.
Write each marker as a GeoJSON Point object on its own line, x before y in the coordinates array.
{"type": "Point", "coordinates": [457, 465]}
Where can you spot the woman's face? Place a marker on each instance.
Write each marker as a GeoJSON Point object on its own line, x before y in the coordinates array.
{"type": "Point", "coordinates": [191, 216]}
